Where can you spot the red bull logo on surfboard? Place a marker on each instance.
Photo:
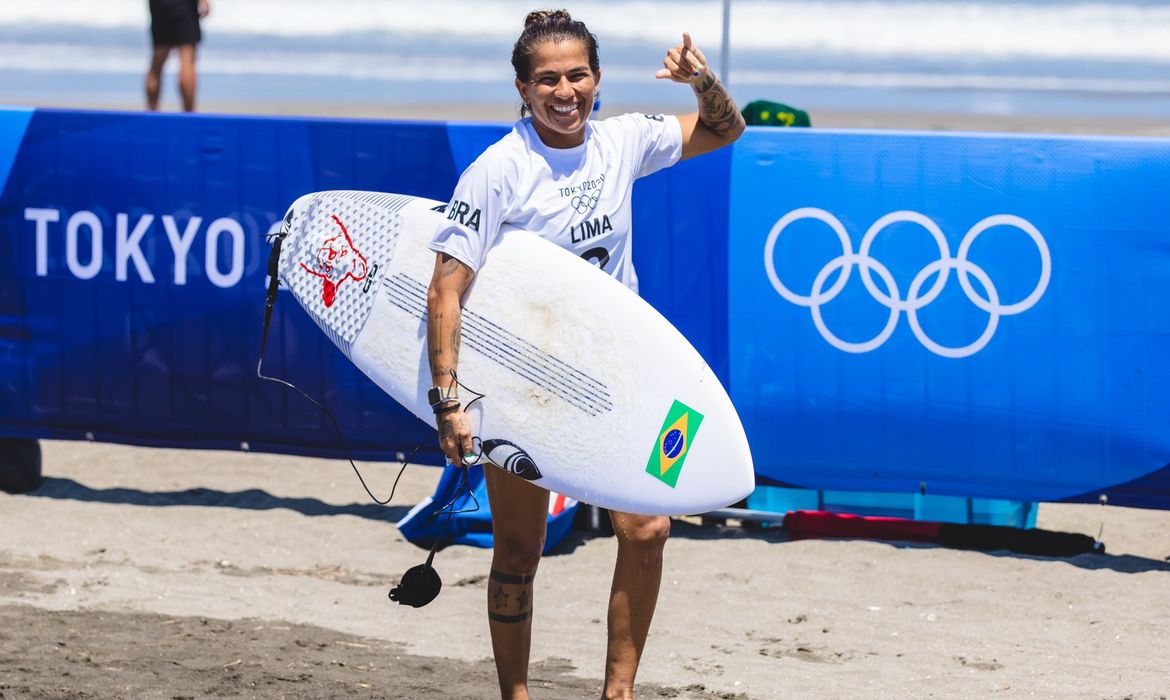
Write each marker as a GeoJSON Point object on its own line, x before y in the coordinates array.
{"type": "Point", "coordinates": [337, 260]}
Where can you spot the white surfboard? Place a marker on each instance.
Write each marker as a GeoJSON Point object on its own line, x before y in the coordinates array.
{"type": "Point", "coordinates": [588, 391]}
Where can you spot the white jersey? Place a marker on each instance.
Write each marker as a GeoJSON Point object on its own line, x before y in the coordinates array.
{"type": "Point", "coordinates": [578, 198]}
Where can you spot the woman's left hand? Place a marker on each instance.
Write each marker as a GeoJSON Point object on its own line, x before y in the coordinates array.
{"type": "Point", "coordinates": [684, 63]}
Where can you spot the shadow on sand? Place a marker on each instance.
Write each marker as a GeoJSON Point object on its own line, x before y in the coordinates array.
{"type": "Point", "coordinates": [255, 499]}
{"type": "Point", "coordinates": [250, 499]}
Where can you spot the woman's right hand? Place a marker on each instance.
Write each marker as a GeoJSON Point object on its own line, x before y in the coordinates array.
{"type": "Point", "coordinates": [454, 436]}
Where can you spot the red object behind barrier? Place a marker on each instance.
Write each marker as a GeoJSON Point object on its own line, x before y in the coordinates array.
{"type": "Point", "coordinates": [808, 524]}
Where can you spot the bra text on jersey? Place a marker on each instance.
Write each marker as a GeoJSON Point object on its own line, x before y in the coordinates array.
{"type": "Point", "coordinates": [464, 214]}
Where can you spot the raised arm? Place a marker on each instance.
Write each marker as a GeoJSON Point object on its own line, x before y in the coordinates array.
{"type": "Point", "coordinates": [718, 121]}
{"type": "Point", "coordinates": [444, 310]}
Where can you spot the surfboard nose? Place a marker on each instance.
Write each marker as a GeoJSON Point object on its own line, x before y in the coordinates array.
{"type": "Point", "coordinates": [288, 227]}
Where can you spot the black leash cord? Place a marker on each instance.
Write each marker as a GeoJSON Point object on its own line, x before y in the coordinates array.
{"type": "Point", "coordinates": [276, 240]}
{"type": "Point", "coordinates": [270, 301]}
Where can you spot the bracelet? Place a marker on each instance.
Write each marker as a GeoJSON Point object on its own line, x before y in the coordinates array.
{"type": "Point", "coordinates": [440, 409]}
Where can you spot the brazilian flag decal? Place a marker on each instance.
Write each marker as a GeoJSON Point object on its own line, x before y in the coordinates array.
{"type": "Point", "coordinates": [674, 441]}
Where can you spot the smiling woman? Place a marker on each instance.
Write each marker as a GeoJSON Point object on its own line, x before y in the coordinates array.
{"type": "Point", "coordinates": [567, 179]}
{"type": "Point", "coordinates": [560, 98]}
{"type": "Point", "coordinates": [561, 92]}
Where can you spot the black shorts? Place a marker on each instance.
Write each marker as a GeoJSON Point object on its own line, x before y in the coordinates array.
{"type": "Point", "coordinates": [174, 22]}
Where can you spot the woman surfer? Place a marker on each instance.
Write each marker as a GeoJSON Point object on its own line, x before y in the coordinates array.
{"type": "Point", "coordinates": [554, 172]}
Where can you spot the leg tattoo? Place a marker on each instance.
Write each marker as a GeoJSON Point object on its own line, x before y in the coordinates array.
{"type": "Point", "coordinates": [510, 597]}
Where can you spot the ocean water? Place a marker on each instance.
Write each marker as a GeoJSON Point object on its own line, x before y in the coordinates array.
{"type": "Point", "coordinates": [1035, 57]}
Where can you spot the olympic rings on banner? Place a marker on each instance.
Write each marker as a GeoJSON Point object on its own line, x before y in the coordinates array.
{"type": "Point", "coordinates": [916, 298]}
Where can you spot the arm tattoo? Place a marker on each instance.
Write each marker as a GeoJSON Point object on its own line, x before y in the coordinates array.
{"type": "Point", "coordinates": [444, 321]}
{"type": "Point", "coordinates": [456, 336]}
{"type": "Point", "coordinates": [434, 347]}
{"type": "Point", "coordinates": [443, 343]}
{"type": "Point", "coordinates": [450, 266]}
{"type": "Point", "coordinates": [717, 110]}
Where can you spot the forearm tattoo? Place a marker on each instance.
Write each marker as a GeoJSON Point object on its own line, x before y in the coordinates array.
{"type": "Point", "coordinates": [717, 110]}
{"type": "Point", "coordinates": [509, 597]}
{"type": "Point", "coordinates": [456, 337]}
{"type": "Point", "coordinates": [444, 332]}
{"type": "Point", "coordinates": [443, 344]}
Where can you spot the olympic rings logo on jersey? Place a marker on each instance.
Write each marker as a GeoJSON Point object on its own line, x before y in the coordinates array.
{"type": "Point", "coordinates": [916, 299]}
{"type": "Point", "coordinates": [585, 202]}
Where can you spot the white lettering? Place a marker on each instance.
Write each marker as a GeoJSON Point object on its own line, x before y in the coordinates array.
{"type": "Point", "coordinates": [42, 217]}
{"type": "Point", "coordinates": [133, 245]}
{"type": "Point", "coordinates": [180, 244]}
{"type": "Point", "coordinates": [236, 270]}
{"type": "Point", "coordinates": [126, 247]}
{"type": "Point", "coordinates": [94, 224]}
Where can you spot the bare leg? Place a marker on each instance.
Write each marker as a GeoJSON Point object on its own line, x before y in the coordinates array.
{"type": "Point", "coordinates": [519, 515]}
{"type": "Point", "coordinates": [636, 578]}
{"type": "Point", "coordinates": [187, 82]}
{"type": "Point", "coordinates": [158, 59]}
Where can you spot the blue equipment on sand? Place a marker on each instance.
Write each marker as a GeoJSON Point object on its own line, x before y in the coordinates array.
{"type": "Point", "coordinates": [470, 521]}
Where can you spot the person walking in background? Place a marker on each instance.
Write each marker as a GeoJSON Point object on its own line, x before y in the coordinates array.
{"type": "Point", "coordinates": [174, 24]}
{"type": "Point", "coordinates": [523, 181]}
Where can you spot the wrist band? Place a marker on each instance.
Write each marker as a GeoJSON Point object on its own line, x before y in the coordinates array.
{"type": "Point", "coordinates": [441, 394]}
{"type": "Point", "coordinates": [440, 409]}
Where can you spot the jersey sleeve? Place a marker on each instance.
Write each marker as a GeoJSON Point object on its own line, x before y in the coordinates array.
{"type": "Point", "coordinates": [472, 218]}
{"type": "Point", "coordinates": [657, 141]}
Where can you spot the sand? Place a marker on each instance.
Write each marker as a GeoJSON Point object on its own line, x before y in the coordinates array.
{"type": "Point", "coordinates": [154, 573]}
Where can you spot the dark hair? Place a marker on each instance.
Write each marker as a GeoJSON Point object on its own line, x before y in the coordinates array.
{"type": "Point", "coordinates": [550, 25]}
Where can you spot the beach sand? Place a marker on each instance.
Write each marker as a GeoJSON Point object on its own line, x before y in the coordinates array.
{"type": "Point", "coordinates": [157, 573]}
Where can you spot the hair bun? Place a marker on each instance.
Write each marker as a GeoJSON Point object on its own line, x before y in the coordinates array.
{"type": "Point", "coordinates": [540, 16]}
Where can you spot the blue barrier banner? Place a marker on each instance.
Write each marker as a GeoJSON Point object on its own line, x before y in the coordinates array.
{"type": "Point", "coordinates": [978, 315]}
{"type": "Point", "coordinates": [973, 315]}
{"type": "Point", "coordinates": [133, 273]}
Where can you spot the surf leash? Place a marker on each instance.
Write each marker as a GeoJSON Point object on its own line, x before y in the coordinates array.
{"type": "Point", "coordinates": [276, 240]}
{"type": "Point", "coordinates": [420, 584]}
